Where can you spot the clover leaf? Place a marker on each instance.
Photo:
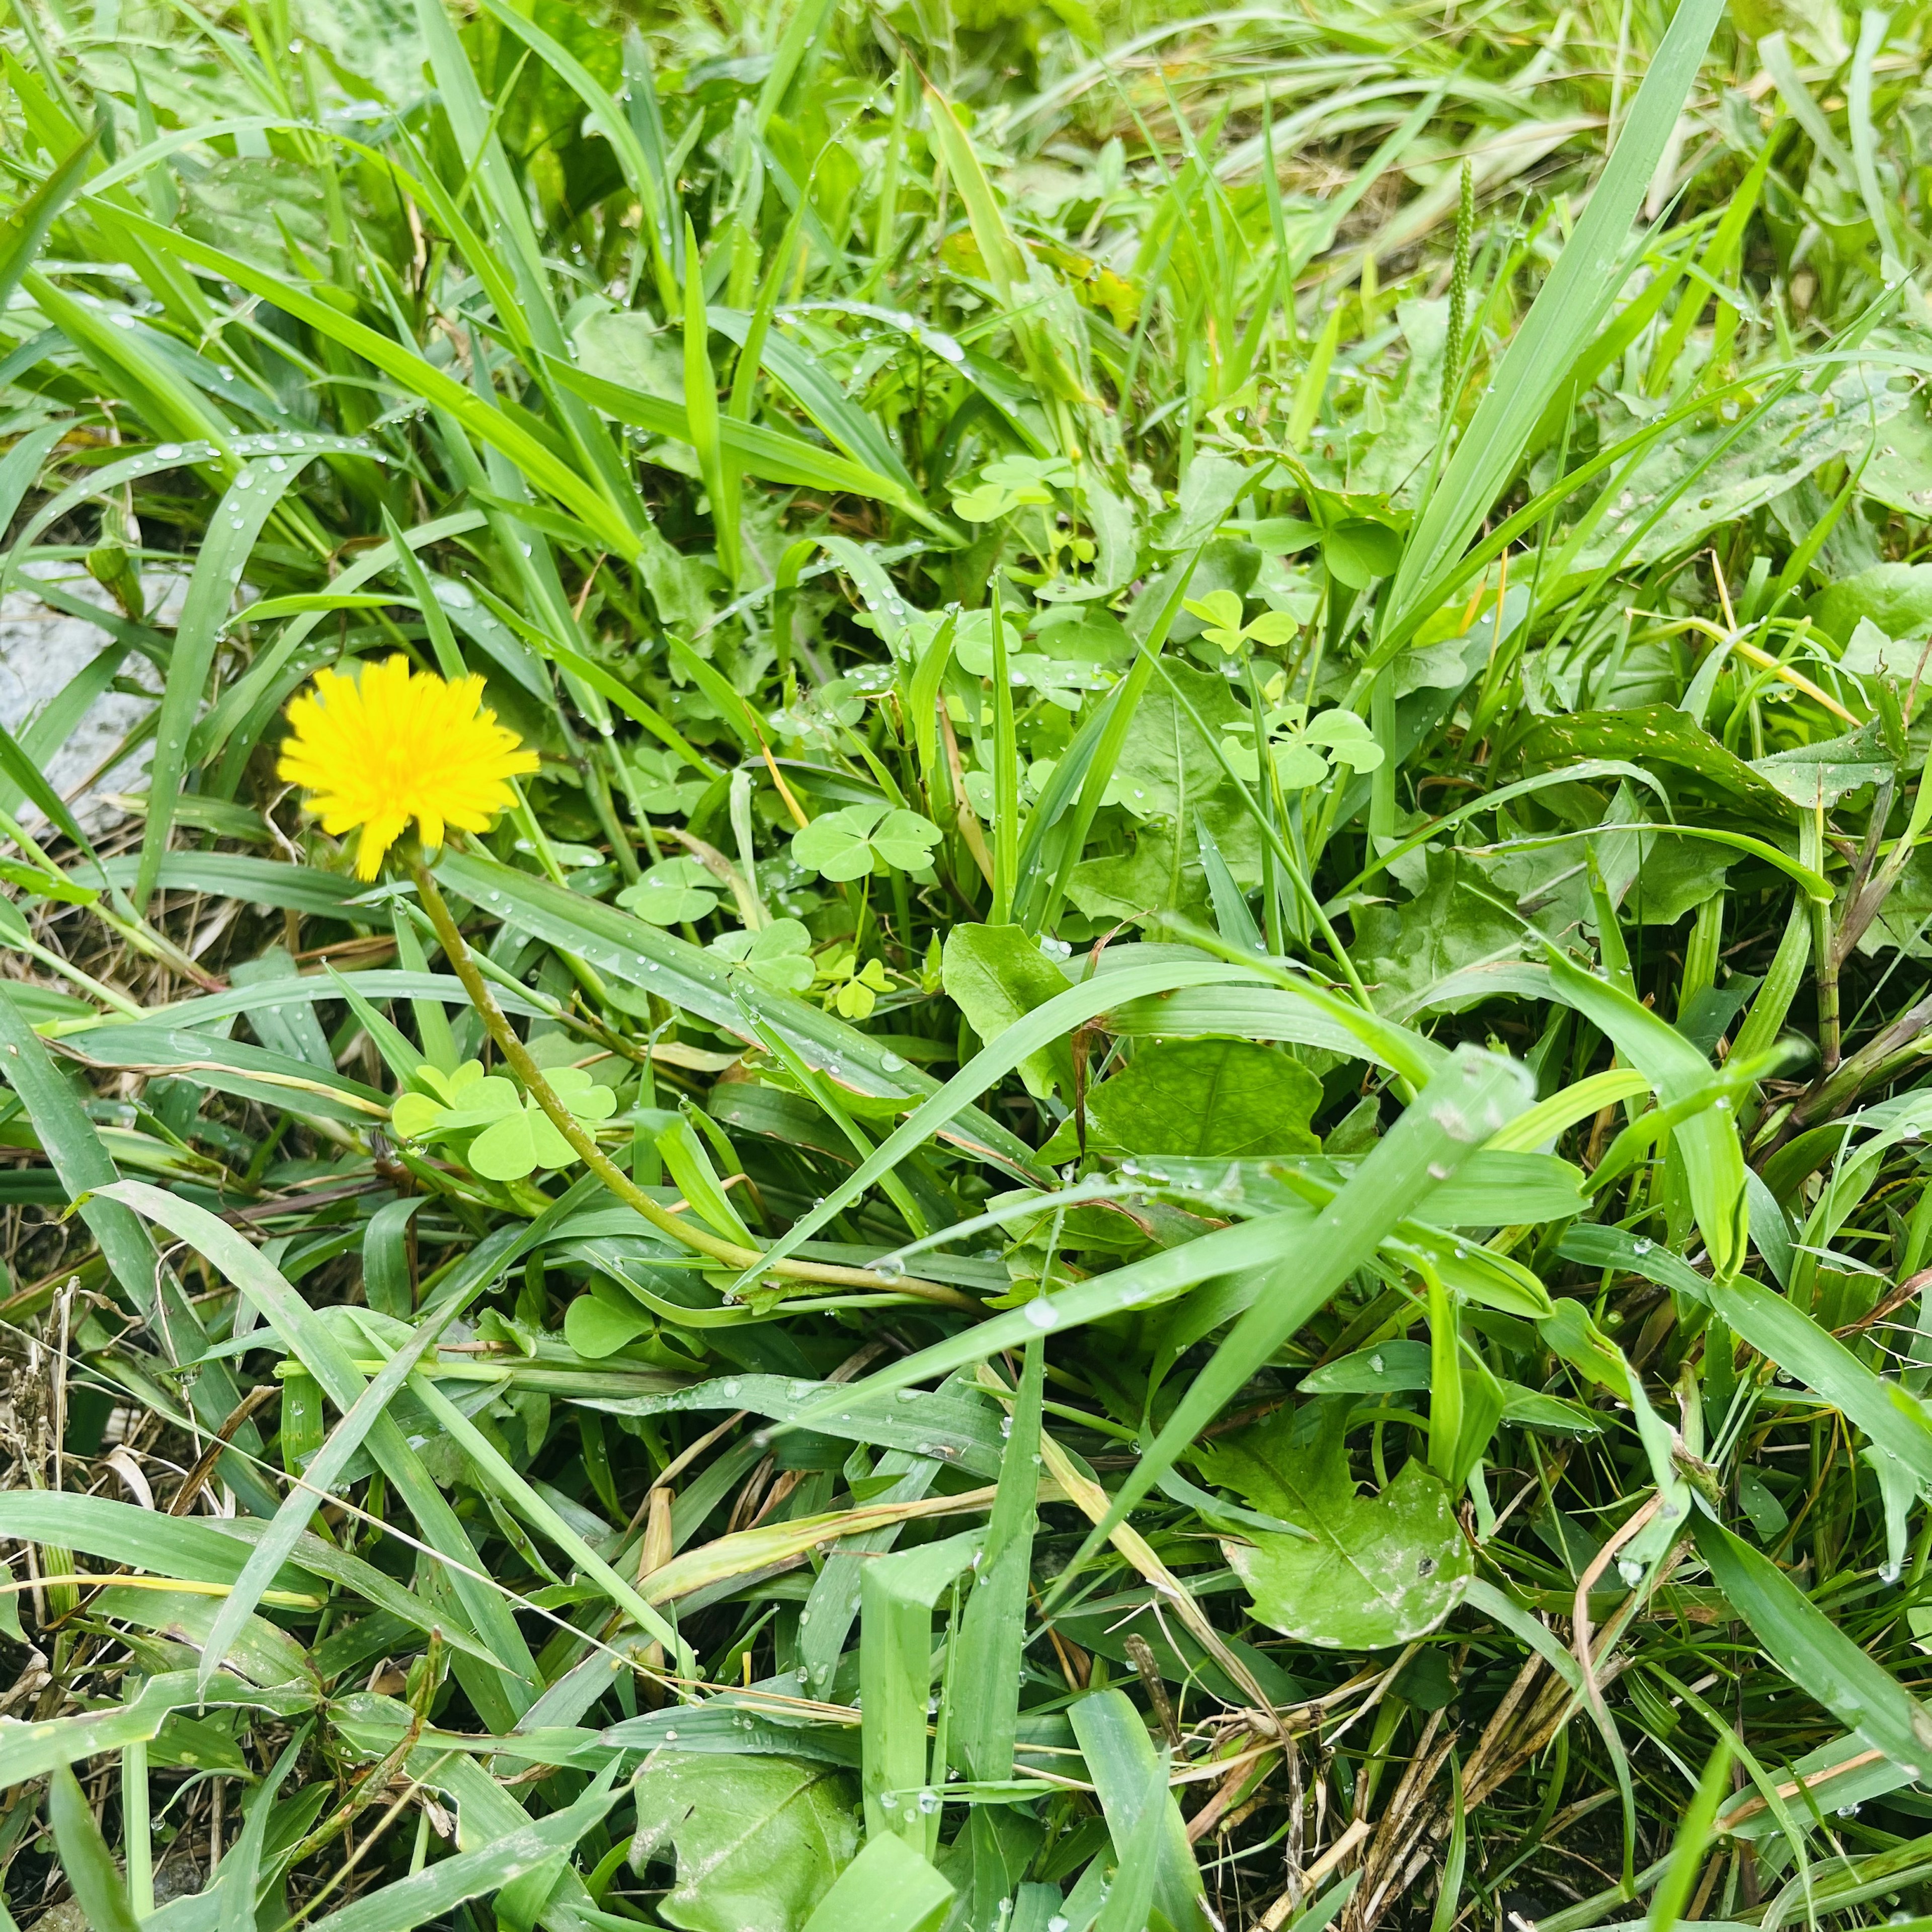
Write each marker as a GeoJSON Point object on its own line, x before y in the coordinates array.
{"type": "Point", "coordinates": [859, 839]}
{"type": "Point", "coordinates": [856, 989]}
{"type": "Point", "coordinates": [661, 782]}
{"type": "Point", "coordinates": [1008, 482]}
{"type": "Point", "coordinates": [1220, 614]}
{"type": "Point", "coordinates": [672, 891]}
{"type": "Point", "coordinates": [444, 1104]}
{"type": "Point", "coordinates": [1358, 549]}
{"type": "Point", "coordinates": [1350, 740]}
{"type": "Point", "coordinates": [1304, 749]}
{"type": "Point", "coordinates": [512, 1135]}
{"type": "Point", "coordinates": [519, 1143]}
{"type": "Point", "coordinates": [777, 956]}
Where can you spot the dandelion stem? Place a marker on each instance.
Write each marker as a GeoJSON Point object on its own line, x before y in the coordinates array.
{"type": "Point", "coordinates": [727, 1254]}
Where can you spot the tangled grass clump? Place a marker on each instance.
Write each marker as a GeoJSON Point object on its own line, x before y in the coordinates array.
{"type": "Point", "coordinates": [1014, 1015]}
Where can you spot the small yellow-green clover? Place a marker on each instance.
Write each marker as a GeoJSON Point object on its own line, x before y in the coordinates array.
{"type": "Point", "coordinates": [1304, 749]}
{"type": "Point", "coordinates": [1009, 481]}
{"type": "Point", "coordinates": [1220, 614]}
{"type": "Point", "coordinates": [854, 989]}
{"type": "Point", "coordinates": [497, 1132]}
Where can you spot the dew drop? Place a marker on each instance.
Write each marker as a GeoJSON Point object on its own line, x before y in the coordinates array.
{"type": "Point", "coordinates": [1039, 1313]}
{"type": "Point", "coordinates": [929, 1802]}
{"type": "Point", "coordinates": [1641, 1245]}
{"type": "Point", "coordinates": [168, 451]}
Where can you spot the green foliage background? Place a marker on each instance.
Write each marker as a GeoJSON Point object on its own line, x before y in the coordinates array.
{"type": "Point", "coordinates": [1172, 1174]}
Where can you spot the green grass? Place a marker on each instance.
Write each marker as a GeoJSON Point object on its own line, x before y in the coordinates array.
{"type": "Point", "coordinates": [1136, 1331]}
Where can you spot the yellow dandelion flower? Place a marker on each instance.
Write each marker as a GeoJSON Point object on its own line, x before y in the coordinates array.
{"type": "Point", "coordinates": [397, 745]}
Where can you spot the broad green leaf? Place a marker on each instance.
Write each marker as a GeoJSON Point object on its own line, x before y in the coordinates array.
{"type": "Point", "coordinates": [1404, 952]}
{"type": "Point", "coordinates": [1896, 598]}
{"type": "Point", "coordinates": [1379, 1571]}
{"type": "Point", "coordinates": [860, 839]}
{"type": "Point", "coordinates": [518, 1145]}
{"type": "Point", "coordinates": [757, 1841]}
{"type": "Point", "coordinates": [996, 974]}
{"type": "Point", "coordinates": [671, 892]}
{"type": "Point", "coordinates": [1208, 1098]}
{"type": "Point", "coordinates": [1474, 1096]}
